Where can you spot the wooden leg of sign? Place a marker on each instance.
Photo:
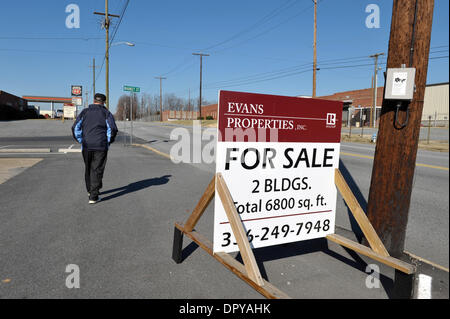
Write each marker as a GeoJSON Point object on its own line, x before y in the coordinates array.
{"type": "Point", "coordinates": [266, 289]}
{"type": "Point", "coordinates": [404, 272]}
{"type": "Point", "coordinates": [369, 232]}
{"type": "Point", "coordinates": [192, 221]}
{"type": "Point", "coordinates": [177, 246]}
{"type": "Point", "coordinates": [366, 251]}
{"type": "Point", "coordinates": [201, 205]}
{"type": "Point", "coordinates": [249, 271]}
{"type": "Point", "coordinates": [238, 231]}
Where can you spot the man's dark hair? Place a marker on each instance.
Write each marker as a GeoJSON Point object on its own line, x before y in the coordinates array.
{"type": "Point", "coordinates": [98, 97]}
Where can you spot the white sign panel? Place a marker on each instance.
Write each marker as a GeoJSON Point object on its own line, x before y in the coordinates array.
{"type": "Point", "coordinates": [70, 111]}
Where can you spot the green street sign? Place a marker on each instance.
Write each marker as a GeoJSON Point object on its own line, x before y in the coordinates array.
{"type": "Point", "coordinates": [131, 88]}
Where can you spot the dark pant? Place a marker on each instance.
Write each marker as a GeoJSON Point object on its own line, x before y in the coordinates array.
{"type": "Point", "coordinates": [95, 162]}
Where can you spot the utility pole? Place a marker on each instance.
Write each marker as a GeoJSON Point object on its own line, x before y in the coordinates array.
{"type": "Point", "coordinates": [160, 96]}
{"type": "Point", "coordinates": [93, 74]}
{"type": "Point", "coordinates": [189, 104]}
{"type": "Point", "coordinates": [315, 50]}
{"type": "Point", "coordinates": [106, 25]}
{"type": "Point", "coordinates": [396, 148]}
{"type": "Point", "coordinates": [373, 111]}
{"type": "Point", "coordinates": [200, 96]}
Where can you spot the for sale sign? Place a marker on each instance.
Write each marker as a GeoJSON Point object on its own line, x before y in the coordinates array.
{"type": "Point", "coordinates": [278, 156]}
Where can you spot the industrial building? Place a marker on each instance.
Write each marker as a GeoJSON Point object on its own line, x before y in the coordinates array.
{"type": "Point", "coordinates": [435, 107]}
{"type": "Point", "coordinates": [358, 105]}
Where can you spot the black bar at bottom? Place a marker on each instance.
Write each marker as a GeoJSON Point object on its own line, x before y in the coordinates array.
{"type": "Point", "coordinates": [177, 246]}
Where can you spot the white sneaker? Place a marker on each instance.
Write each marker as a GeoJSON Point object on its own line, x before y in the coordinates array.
{"type": "Point", "coordinates": [94, 201]}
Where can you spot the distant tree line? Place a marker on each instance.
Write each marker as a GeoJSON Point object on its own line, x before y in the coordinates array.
{"type": "Point", "coordinates": [146, 105]}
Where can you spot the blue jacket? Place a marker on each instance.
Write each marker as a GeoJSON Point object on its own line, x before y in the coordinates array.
{"type": "Point", "coordinates": [95, 128]}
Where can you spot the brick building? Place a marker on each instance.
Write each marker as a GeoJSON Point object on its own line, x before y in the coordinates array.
{"type": "Point", "coordinates": [357, 105]}
{"type": "Point", "coordinates": [12, 107]}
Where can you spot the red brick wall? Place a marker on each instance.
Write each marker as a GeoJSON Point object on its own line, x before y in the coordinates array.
{"type": "Point", "coordinates": [208, 110]}
{"type": "Point", "coordinates": [359, 97]}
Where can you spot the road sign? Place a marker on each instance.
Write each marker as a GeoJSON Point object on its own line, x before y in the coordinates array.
{"type": "Point", "coordinates": [77, 90]}
{"type": "Point", "coordinates": [278, 156]}
{"type": "Point", "coordinates": [77, 100]}
{"type": "Point", "coordinates": [131, 88]}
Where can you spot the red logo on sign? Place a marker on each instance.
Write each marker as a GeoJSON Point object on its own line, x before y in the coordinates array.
{"type": "Point", "coordinates": [76, 90]}
{"type": "Point", "coordinates": [331, 120]}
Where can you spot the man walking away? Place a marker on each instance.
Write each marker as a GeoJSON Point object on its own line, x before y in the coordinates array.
{"type": "Point", "coordinates": [95, 129]}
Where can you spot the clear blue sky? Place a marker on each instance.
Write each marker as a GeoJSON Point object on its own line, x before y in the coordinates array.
{"type": "Point", "coordinates": [257, 46]}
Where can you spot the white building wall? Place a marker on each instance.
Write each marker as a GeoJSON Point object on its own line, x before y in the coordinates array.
{"type": "Point", "coordinates": [436, 104]}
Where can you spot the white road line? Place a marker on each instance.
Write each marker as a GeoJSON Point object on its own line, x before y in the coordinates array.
{"type": "Point", "coordinates": [424, 287]}
{"type": "Point", "coordinates": [6, 146]}
{"type": "Point", "coordinates": [69, 150]}
{"type": "Point", "coordinates": [25, 153]}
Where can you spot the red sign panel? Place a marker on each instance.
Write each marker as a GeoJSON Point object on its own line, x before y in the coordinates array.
{"type": "Point", "coordinates": [295, 119]}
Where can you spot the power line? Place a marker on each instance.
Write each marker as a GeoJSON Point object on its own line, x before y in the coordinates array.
{"type": "Point", "coordinates": [178, 66]}
{"type": "Point", "coordinates": [120, 21]}
{"type": "Point", "coordinates": [46, 51]}
{"type": "Point", "coordinates": [265, 31]}
{"type": "Point", "coordinates": [285, 74]}
{"type": "Point", "coordinates": [261, 21]}
{"type": "Point", "coordinates": [50, 38]}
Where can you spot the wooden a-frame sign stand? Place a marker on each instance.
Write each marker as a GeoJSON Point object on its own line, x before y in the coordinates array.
{"type": "Point", "coordinates": [249, 271]}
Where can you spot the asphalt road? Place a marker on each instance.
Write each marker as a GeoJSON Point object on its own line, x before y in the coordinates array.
{"type": "Point", "coordinates": [123, 245]}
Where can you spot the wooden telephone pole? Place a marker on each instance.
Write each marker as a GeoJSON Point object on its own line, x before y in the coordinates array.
{"type": "Point", "coordinates": [396, 149]}
{"type": "Point", "coordinates": [106, 25]}
{"type": "Point", "coordinates": [160, 96]}
{"type": "Point", "coordinates": [373, 111]}
{"type": "Point", "coordinates": [200, 95]}
{"type": "Point", "coordinates": [93, 75]}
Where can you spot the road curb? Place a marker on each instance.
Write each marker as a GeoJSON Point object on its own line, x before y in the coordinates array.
{"type": "Point", "coordinates": [25, 150]}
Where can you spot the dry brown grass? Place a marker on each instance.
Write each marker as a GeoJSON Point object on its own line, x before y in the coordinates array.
{"type": "Point", "coordinates": [205, 123]}
{"type": "Point", "coordinates": [437, 146]}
